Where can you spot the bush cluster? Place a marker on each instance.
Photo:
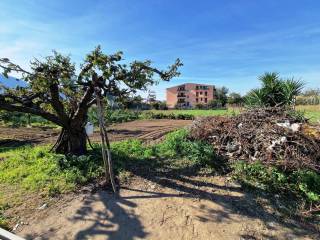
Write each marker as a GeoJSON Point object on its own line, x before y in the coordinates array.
{"type": "Point", "coordinates": [303, 184]}
{"type": "Point", "coordinates": [181, 116]}
{"type": "Point", "coordinates": [114, 115]}
{"type": "Point", "coordinates": [16, 119]}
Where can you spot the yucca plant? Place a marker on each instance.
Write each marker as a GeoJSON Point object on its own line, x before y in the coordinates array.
{"type": "Point", "coordinates": [291, 88]}
{"type": "Point", "coordinates": [274, 91]}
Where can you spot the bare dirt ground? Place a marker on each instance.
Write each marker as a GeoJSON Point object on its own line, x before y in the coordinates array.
{"type": "Point", "coordinates": [146, 130]}
{"type": "Point", "coordinates": [189, 208]}
{"type": "Point", "coordinates": [161, 203]}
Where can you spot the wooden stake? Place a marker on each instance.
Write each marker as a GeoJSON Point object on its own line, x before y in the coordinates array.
{"type": "Point", "coordinates": [105, 144]}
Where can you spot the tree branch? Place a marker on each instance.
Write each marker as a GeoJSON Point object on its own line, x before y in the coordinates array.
{"type": "Point", "coordinates": [57, 104]}
{"type": "Point", "coordinates": [36, 111]}
{"type": "Point", "coordinates": [83, 106]}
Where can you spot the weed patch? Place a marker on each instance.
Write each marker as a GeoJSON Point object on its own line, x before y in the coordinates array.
{"type": "Point", "coordinates": [301, 185]}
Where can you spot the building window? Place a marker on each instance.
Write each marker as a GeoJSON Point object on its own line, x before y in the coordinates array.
{"type": "Point", "coordinates": [200, 93]}
{"type": "Point", "coordinates": [181, 88]}
{"type": "Point", "coordinates": [206, 93]}
{"type": "Point", "coordinates": [197, 100]}
{"type": "Point", "coordinates": [197, 94]}
{"type": "Point", "coordinates": [200, 99]}
{"type": "Point", "coordinates": [205, 100]}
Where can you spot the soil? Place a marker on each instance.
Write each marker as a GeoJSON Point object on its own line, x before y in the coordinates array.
{"type": "Point", "coordinates": [146, 130]}
{"type": "Point", "coordinates": [166, 203]}
{"type": "Point", "coordinates": [189, 208]}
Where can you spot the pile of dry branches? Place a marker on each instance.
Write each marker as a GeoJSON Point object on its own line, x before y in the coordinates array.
{"type": "Point", "coordinates": [270, 135]}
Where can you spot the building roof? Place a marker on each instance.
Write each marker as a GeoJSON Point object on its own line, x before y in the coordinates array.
{"type": "Point", "coordinates": [202, 84]}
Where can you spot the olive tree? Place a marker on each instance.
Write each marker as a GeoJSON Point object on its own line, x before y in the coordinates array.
{"type": "Point", "coordinates": [60, 93]}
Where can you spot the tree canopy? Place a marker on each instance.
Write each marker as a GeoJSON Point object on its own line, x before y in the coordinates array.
{"type": "Point", "coordinates": [56, 91]}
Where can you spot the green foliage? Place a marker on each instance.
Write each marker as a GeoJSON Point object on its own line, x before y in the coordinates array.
{"type": "Point", "coordinates": [157, 105]}
{"type": "Point", "coordinates": [299, 115]}
{"type": "Point", "coordinates": [304, 184]}
{"type": "Point", "coordinates": [62, 95]}
{"type": "Point", "coordinates": [81, 169]}
{"type": "Point", "coordinates": [175, 145]}
{"type": "Point", "coordinates": [33, 169]}
{"type": "Point", "coordinates": [118, 116]}
{"type": "Point", "coordinates": [114, 115]}
{"type": "Point", "coordinates": [163, 115]}
{"type": "Point", "coordinates": [274, 91]}
{"type": "Point", "coordinates": [3, 221]}
{"type": "Point", "coordinates": [221, 96]}
{"type": "Point", "coordinates": [196, 112]}
{"type": "Point", "coordinates": [216, 104]}
{"type": "Point", "coordinates": [16, 119]}
{"type": "Point", "coordinates": [178, 145]}
{"type": "Point", "coordinates": [235, 98]}
{"type": "Point", "coordinates": [200, 106]}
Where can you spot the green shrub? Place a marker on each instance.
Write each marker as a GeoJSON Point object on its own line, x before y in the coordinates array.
{"type": "Point", "coordinates": [298, 115]}
{"type": "Point", "coordinates": [304, 184]}
{"type": "Point", "coordinates": [308, 184]}
{"type": "Point", "coordinates": [178, 145]}
{"type": "Point", "coordinates": [153, 115]}
{"type": "Point", "coordinates": [114, 115]}
{"type": "Point", "coordinates": [16, 119]}
{"type": "Point", "coordinates": [36, 169]}
{"type": "Point", "coordinates": [129, 151]}
{"type": "Point", "coordinates": [81, 169]}
{"type": "Point", "coordinates": [274, 91]}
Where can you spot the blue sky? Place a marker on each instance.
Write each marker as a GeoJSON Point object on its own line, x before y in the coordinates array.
{"type": "Point", "coordinates": [225, 43]}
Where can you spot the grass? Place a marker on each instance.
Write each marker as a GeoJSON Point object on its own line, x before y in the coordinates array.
{"type": "Point", "coordinates": [292, 192]}
{"type": "Point", "coordinates": [311, 111]}
{"type": "Point", "coordinates": [34, 171]}
{"type": "Point", "coordinates": [200, 112]}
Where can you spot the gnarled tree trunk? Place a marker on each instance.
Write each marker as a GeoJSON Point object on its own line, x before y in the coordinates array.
{"type": "Point", "coordinates": [72, 141]}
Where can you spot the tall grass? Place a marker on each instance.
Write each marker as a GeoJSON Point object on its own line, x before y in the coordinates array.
{"type": "Point", "coordinates": [311, 111]}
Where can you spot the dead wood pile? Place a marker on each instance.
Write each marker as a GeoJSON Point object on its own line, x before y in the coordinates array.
{"type": "Point", "coordinates": [270, 135]}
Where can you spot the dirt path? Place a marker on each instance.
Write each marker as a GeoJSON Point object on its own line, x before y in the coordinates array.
{"type": "Point", "coordinates": [146, 130]}
{"type": "Point", "coordinates": [195, 208]}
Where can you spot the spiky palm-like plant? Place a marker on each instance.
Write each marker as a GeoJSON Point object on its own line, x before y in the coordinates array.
{"type": "Point", "coordinates": [291, 88]}
{"type": "Point", "coordinates": [274, 91]}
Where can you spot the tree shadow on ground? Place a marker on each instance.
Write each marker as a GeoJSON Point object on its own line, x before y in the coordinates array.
{"type": "Point", "coordinates": [11, 144]}
{"type": "Point", "coordinates": [182, 179]}
{"type": "Point", "coordinates": [114, 222]}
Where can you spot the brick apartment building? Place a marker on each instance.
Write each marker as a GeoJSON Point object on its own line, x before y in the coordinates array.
{"type": "Point", "coordinates": [188, 95]}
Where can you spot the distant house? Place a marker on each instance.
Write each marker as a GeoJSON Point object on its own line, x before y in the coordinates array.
{"type": "Point", "coordinates": [188, 95]}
